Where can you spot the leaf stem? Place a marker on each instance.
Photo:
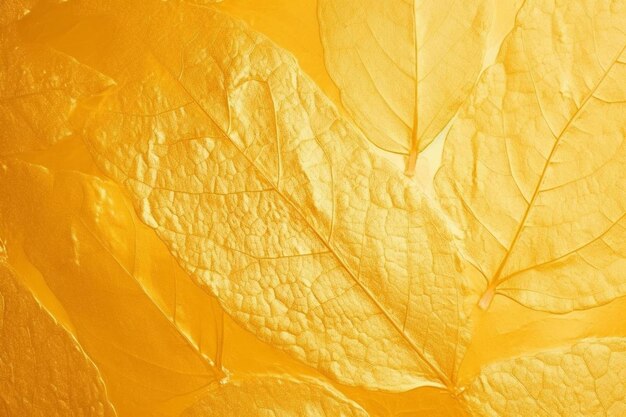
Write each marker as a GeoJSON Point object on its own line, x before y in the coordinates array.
{"type": "Point", "coordinates": [415, 142]}
{"type": "Point", "coordinates": [412, 160]}
{"type": "Point", "coordinates": [487, 297]}
{"type": "Point", "coordinates": [431, 364]}
{"type": "Point", "coordinates": [219, 336]}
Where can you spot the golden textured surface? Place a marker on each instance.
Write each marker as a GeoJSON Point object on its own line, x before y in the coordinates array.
{"type": "Point", "coordinates": [43, 371]}
{"type": "Point", "coordinates": [272, 396]}
{"type": "Point", "coordinates": [533, 168]}
{"type": "Point", "coordinates": [272, 208]}
{"type": "Point", "coordinates": [403, 67]}
{"type": "Point", "coordinates": [586, 379]}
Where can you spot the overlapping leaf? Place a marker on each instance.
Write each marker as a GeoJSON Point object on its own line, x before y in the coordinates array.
{"type": "Point", "coordinates": [534, 169]}
{"type": "Point", "coordinates": [127, 324]}
{"type": "Point", "coordinates": [39, 87]}
{"type": "Point", "coordinates": [257, 393]}
{"type": "Point", "coordinates": [293, 25]}
{"type": "Point", "coordinates": [403, 67]}
{"type": "Point", "coordinates": [43, 371]}
{"type": "Point", "coordinates": [586, 379]}
{"type": "Point", "coordinates": [274, 203]}
{"type": "Point", "coordinates": [309, 240]}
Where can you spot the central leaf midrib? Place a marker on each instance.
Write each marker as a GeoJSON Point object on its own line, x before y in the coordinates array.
{"type": "Point", "coordinates": [415, 140]}
{"type": "Point", "coordinates": [444, 379]}
{"type": "Point", "coordinates": [496, 280]}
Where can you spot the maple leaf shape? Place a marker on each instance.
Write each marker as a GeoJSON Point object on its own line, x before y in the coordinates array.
{"type": "Point", "coordinates": [403, 68]}
{"type": "Point", "coordinates": [37, 354]}
{"type": "Point", "coordinates": [536, 177]}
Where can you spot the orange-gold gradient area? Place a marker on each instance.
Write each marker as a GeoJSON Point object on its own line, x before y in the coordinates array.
{"type": "Point", "coordinates": [312, 208]}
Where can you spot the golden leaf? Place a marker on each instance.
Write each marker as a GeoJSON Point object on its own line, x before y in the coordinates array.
{"type": "Point", "coordinates": [534, 168]}
{"type": "Point", "coordinates": [116, 258]}
{"type": "Point", "coordinates": [39, 88]}
{"type": "Point", "coordinates": [292, 25]}
{"type": "Point", "coordinates": [291, 228]}
{"type": "Point", "coordinates": [43, 371]}
{"type": "Point", "coordinates": [403, 67]}
{"type": "Point", "coordinates": [250, 395]}
{"type": "Point", "coordinates": [248, 184]}
{"type": "Point", "coordinates": [586, 379]}
{"type": "Point", "coordinates": [128, 325]}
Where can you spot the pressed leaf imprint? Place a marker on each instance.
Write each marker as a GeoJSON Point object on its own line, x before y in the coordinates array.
{"type": "Point", "coordinates": [404, 67]}
{"type": "Point", "coordinates": [534, 168]}
{"type": "Point", "coordinates": [284, 213]}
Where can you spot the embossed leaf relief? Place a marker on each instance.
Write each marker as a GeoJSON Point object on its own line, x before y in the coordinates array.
{"type": "Point", "coordinates": [534, 168]}
{"type": "Point", "coordinates": [403, 67]}
{"type": "Point", "coordinates": [43, 371]}
{"type": "Point", "coordinates": [195, 227]}
{"type": "Point", "coordinates": [39, 88]}
{"type": "Point", "coordinates": [305, 236]}
{"type": "Point", "coordinates": [249, 396]}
